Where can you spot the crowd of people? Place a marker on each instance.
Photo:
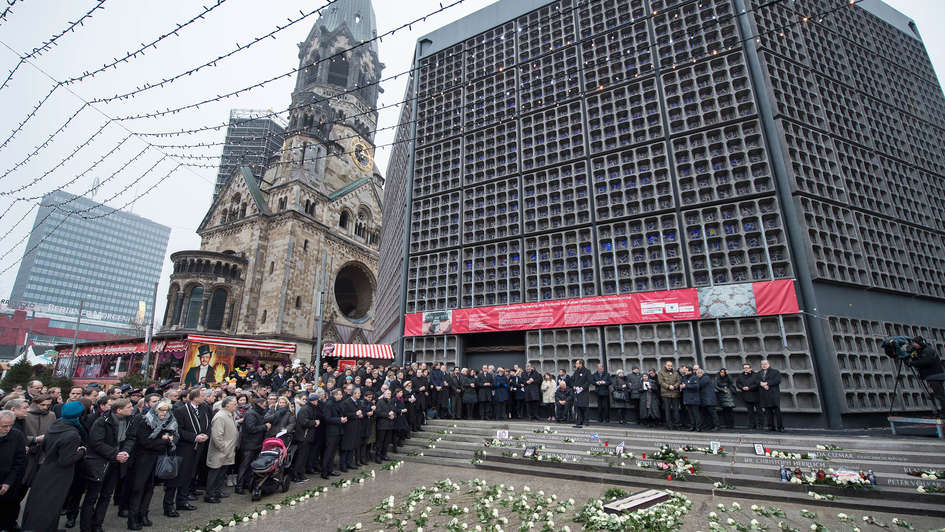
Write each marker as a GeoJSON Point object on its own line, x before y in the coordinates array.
{"type": "Point", "coordinates": [79, 455]}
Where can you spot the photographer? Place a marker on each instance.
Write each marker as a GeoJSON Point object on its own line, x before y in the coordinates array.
{"type": "Point", "coordinates": [928, 365]}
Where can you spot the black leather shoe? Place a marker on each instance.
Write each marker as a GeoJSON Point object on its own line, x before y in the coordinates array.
{"type": "Point", "coordinates": [192, 497]}
{"type": "Point", "coordinates": [122, 513]}
{"type": "Point", "coordinates": [222, 495]}
{"type": "Point", "coordinates": [211, 500]}
{"type": "Point", "coordinates": [197, 492]}
{"type": "Point", "coordinates": [170, 512]}
{"type": "Point", "coordinates": [187, 506]}
{"type": "Point", "coordinates": [145, 521]}
{"type": "Point", "coordinates": [70, 522]}
{"type": "Point", "coordinates": [334, 474]}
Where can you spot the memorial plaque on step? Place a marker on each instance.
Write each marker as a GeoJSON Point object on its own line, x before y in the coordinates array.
{"type": "Point", "coordinates": [636, 501]}
{"type": "Point", "coordinates": [501, 434]}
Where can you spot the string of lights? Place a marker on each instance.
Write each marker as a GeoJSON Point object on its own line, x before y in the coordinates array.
{"type": "Point", "coordinates": [52, 40]}
{"type": "Point", "coordinates": [61, 187]}
{"type": "Point", "coordinates": [7, 10]}
{"type": "Point", "coordinates": [153, 44]}
{"type": "Point", "coordinates": [81, 212]}
{"type": "Point", "coordinates": [87, 104]}
{"type": "Point", "coordinates": [292, 72]}
{"type": "Point", "coordinates": [45, 174]}
{"type": "Point", "coordinates": [45, 143]}
{"type": "Point", "coordinates": [43, 220]}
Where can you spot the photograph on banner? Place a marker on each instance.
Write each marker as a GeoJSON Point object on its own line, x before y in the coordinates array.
{"type": "Point", "coordinates": [207, 363]}
{"type": "Point", "coordinates": [437, 322]}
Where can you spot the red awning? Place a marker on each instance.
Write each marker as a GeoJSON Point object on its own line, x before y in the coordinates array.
{"type": "Point", "coordinates": [245, 343]}
{"type": "Point", "coordinates": [114, 349]}
{"type": "Point", "coordinates": [176, 345]}
{"type": "Point", "coordinates": [358, 351]}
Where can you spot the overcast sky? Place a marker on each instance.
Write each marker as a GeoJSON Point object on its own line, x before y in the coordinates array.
{"type": "Point", "coordinates": [123, 25]}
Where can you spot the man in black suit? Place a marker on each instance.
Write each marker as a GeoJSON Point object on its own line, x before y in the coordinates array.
{"type": "Point", "coordinates": [193, 424]}
{"type": "Point", "coordinates": [202, 373]}
{"type": "Point", "coordinates": [305, 424]}
{"type": "Point", "coordinates": [334, 428]}
{"type": "Point", "coordinates": [770, 400]}
{"type": "Point", "coordinates": [580, 384]}
{"type": "Point", "coordinates": [602, 389]}
{"type": "Point", "coordinates": [747, 385]}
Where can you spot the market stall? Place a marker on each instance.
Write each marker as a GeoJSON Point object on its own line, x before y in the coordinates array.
{"type": "Point", "coordinates": [349, 354]}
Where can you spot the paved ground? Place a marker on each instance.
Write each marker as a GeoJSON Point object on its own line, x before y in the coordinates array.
{"type": "Point", "coordinates": [344, 506]}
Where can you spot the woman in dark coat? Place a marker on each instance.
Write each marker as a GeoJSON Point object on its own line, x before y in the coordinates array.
{"type": "Point", "coordinates": [725, 390]}
{"type": "Point", "coordinates": [155, 434]}
{"type": "Point", "coordinates": [484, 393]}
{"type": "Point", "coordinates": [501, 386]}
{"type": "Point", "coordinates": [620, 395]}
{"type": "Point", "coordinates": [401, 425]}
{"type": "Point", "coordinates": [468, 384]}
{"type": "Point", "coordinates": [63, 449]}
{"type": "Point", "coordinates": [516, 401]}
{"type": "Point", "coordinates": [412, 401]}
{"type": "Point", "coordinates": [421, 390]}
{"type": "Point", "coordinates": [649, 399]}
{"type": "Point", "coordinates": [282, 420]}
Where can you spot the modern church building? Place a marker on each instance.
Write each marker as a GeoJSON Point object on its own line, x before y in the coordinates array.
{"type": "Point", "coordinates": [702, 181]}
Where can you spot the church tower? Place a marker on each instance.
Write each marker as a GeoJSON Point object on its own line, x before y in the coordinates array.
{"type": "Point", "coordinates": [320, 197]}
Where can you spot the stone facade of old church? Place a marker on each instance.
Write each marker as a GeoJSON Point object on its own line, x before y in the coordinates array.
{"type": "Point", "coordinates": [258, 270]}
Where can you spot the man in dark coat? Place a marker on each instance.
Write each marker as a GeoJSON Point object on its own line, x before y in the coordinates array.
{"type": "Point", "coordinates": [386, 415]}
{"type": "Point", "coordinates": [691, 398]}
{"type": "Point", "coordinates": [562, 402]}
{"type": "Point", "coordinates": [467, 382]}
{"type": "Point", "coordinates": [602, 390]}
{"type": "Point", "coordinates": [580, 392]}
{"type": "Point", "coordinates": [441, 392]}
{"type": "Point", "coordinates": [770, 396]}
{"type": "Point", "coordinates": [193, 423]}
{"type": "Point", "coordinates": [305, 425]}
{"type": "Point", "coordinates": [12, 467]}
{"type": "Point", "coordinates": [63, 449]}
{"type": "Point", "coordinates": [110, 446]}
{"type": "Point", "coordinates": [532, 381]}
{"type": "Point", "coordinates": [456, 396]}
{"type": "Point", "coordinates": [710, 416]}
{"type": "Point", "coordinates": [747, 385]}
{"type": "Point", "coordinates": [252, 432]}
{"type": "Point", "coordinates": [335, 420]}
{"type": "Point", "coordinates": [634, 390]}
{"type": "Point", "coordinates": [668, 380]}
{"type": "Point", "coordinates": [484, 393]}
{"type": "Point", "coordinates": [351, 435]}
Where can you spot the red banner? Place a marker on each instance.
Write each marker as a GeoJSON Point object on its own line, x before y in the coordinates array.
{"type": "Point", "coordinates": [604, 310]}
{"type": "Point", "coordinates": [765, 298]}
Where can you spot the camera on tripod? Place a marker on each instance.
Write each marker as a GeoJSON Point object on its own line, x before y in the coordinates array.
{"type": "Point", "coordinates": [899, 347]}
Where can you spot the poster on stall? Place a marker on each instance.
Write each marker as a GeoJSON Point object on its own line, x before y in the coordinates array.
{"type": "Point", "coordinates": [206, 364]}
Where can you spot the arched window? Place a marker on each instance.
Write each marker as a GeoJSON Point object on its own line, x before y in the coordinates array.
{"type": "Point", "coordinates": [343, 221]}
{"type": "Point", "coordinates": [217, 309]}
{"type": "Point", "coordinates": [338, 72]}
{"type": "Point", "coordinates": [272, 266]}
{"type": "Point", "coordinates": [311, 71]}
{"type": "Point", "coordinates": [193, 307]}
{"type": "Point", "coordinates": [298, 301]}
{"type": "Point", "coordinates": [263, 320]}
{"type": "Point", "coordinates": [243, 211]}
{"type": "Point", "coordinates": [359, 229]}
{"type": "Point", "coordinates": [305, 246]}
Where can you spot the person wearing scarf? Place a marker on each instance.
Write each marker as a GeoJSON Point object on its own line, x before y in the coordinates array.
{"type": "Point", "coordinates": [63, 449]}
{"type": "Point", "coordinates": [156, 435]}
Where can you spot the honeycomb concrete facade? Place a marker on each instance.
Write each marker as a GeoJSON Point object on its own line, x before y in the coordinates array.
{"type": "Point", "coordinates": [578, 148]}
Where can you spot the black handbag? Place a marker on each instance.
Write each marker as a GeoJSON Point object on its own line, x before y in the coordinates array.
{"type": "Point", "coordinates": [620, 395]}
{"type": "Point", "coordinates": [166, 466]}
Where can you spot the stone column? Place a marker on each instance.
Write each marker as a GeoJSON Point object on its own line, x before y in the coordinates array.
{"type": "Point", "coordinates": [183, 310]}
{"type": "Point", "coordinates": [202, 315]}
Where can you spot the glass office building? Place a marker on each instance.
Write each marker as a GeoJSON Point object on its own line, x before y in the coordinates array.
{"type": "Point", "coordinates": [110, 263]}
{"type": "Point", "coordinates": [251, 138]}
{"type": "Point", "coordinates": [578, 149]}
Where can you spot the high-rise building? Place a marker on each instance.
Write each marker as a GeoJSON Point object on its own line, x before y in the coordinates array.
{"type": "Point", "coordinates": [252, 137]}
{"type": "Point", "coordinates": [703, 181]}
{"type": "Point", "coordinates": [80, 251]}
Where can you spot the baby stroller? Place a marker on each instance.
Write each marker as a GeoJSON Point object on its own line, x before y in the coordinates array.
{"type": "Point", "coordinates": [271, 469]}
